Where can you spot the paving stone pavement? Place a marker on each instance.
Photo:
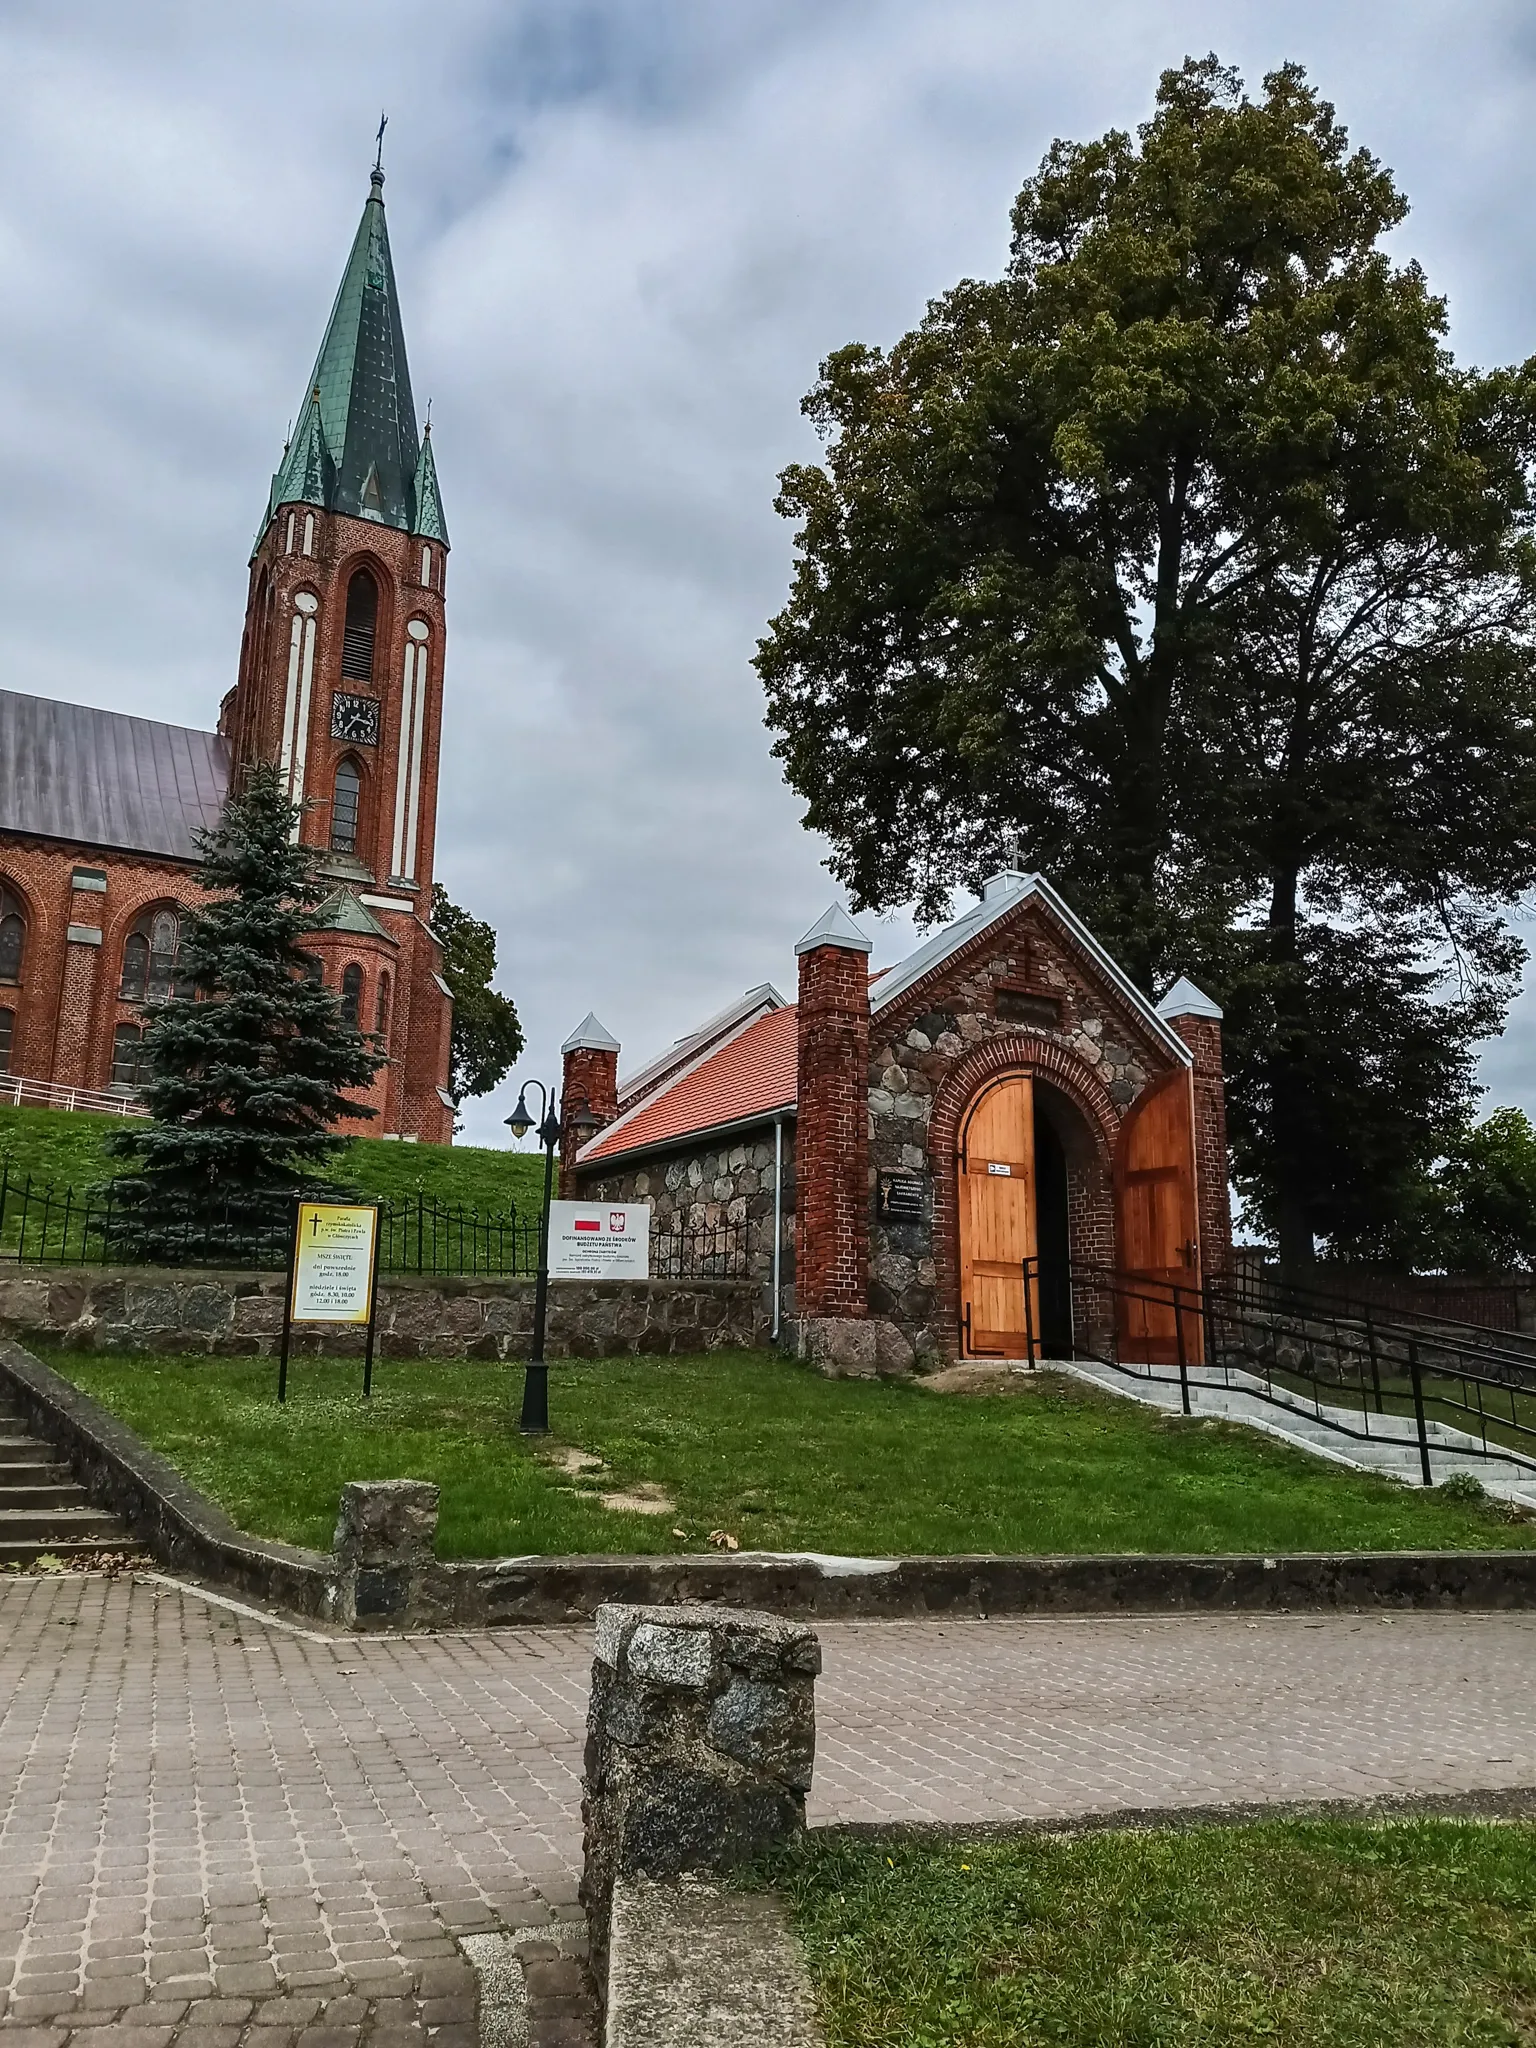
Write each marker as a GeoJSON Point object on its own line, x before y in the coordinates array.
{"type": "Point", "coordinates": [215, 1832]}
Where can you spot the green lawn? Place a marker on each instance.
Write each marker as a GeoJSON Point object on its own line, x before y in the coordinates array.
{"type": "Point", "coordinates": [67, 1147]}
{"type": "Point", "coordinates": [765, 1449]}
{"type": "Point", "coordinates": [1304, 1934]}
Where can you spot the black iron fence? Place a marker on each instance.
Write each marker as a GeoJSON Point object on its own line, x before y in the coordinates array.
{"type": "Point", "coordinates": [1362, 1373]}
{"type": "Point", "coordinates": [43, 1223]}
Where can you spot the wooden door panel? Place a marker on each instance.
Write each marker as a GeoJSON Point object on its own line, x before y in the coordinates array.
{"type": "Point", "coordinates": [997, 1219]}
{"type": "Point", "coordinates": [1157, 1229]}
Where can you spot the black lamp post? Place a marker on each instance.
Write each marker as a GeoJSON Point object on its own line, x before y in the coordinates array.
{"type": "Point", "coordinates": [534, 1420]}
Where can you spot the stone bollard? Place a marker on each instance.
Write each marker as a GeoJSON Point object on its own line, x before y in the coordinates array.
{"type": "Point", "coordinates": [384, 1542]}
{"type": "Point", "coordinates": [701, 1735]}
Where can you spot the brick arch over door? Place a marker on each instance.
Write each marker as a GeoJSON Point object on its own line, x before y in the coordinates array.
{"type": "Point", "coordinates": [1019, 1052]}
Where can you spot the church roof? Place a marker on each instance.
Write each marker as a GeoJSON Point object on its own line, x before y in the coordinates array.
{"type": "Point", "coordinates": [356, 449]}
{"type": "Point", "coordinates": [741, 1068]}
{"type": "Point", "coordinates": [346, 912]}
{"type": "Point", "coordinates": [102, 778]}
{"type": "Point", "coordinates": [748, 1079]}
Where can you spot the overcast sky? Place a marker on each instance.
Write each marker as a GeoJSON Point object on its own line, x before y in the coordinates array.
{"type": "Point", "coordinates": [626, 232]}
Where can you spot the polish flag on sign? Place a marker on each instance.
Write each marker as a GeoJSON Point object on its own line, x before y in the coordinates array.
{"type": "Point", "coordinates": [586, 1223]}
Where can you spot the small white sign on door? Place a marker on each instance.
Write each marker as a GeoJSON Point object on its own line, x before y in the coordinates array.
{"type": "Point", "coordinates": [599, 1240]}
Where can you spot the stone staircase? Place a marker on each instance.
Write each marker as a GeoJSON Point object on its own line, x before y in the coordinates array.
{"type": "Point", "coordinates": [43, 1512]}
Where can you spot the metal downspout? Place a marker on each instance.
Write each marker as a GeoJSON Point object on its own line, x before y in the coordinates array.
{"type": "Point", "coordinates": [778, 1219]}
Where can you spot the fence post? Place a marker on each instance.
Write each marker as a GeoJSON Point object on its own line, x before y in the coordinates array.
{"type": "Point", "coordinates": [1370, 1338]}
{"type": "Point", "coordinates": [1029, 1313]}
{"type": "Point", "coordinates": [1418, 1412]}
{"type": "Point", "coordinates": [1178, 1324]}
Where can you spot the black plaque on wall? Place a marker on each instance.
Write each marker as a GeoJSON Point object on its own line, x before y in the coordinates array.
{"type": "Point", "coordinates": [902, 1198]}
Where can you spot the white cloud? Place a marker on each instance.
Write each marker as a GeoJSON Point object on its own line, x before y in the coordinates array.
{"type": "Point", "coordinates": [626, 233]}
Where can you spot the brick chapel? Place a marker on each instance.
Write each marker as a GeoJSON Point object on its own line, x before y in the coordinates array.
{"type": "Point", "coordinates": [1000, 1148]}
{"type": "Point", "coordinates": [339, 683]}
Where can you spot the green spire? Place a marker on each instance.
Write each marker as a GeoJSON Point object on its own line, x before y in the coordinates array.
{"type": "Point", "coordinates": [430, 523]}
{"type": "Point", "coordinates": [356, 449]}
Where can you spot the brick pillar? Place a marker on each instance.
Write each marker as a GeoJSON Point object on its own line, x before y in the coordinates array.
{"type": "Point", "coordinates": [832, 1122]}
{"type": "Point", "coordinates": [1197, 1020]}
{"type": "Point", "coordinates": [72, 1047]}
{"type": "Point", "coordinates": [589, 1080]}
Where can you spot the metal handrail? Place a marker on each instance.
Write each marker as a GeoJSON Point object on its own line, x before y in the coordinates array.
{"type": "Point", "coordinates": [1354, 1349]}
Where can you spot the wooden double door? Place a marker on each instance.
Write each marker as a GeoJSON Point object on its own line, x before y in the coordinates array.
{"type": "Point", "coordinates": [999, 1226]}
{"type": "Point", "coordinates": [1156, 1275]}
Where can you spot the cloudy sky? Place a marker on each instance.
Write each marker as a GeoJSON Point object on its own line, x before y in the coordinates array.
{"type": "Point", "coordinates": [626, 232]}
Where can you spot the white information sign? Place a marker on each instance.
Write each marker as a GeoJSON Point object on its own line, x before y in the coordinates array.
{"type": "Point", "coordinates": [599, 1240]}
{"type": "Point", "coordinates": [333, 1263]}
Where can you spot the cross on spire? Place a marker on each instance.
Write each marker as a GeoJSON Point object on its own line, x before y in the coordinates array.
{"type": "Point", "coordinates": [378, 156]}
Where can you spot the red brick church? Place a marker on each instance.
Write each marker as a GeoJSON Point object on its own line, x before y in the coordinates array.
{"type": "Point", "coordinates": [340, 683]}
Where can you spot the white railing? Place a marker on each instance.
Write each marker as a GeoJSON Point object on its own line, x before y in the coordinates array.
{"type": "Point", "coordinates": [17, 1092]}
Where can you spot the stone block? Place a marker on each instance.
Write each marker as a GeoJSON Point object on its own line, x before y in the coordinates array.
{"type": "Point", "coordinates": [258, 1314]}
{"type": "Point", "coordinates": [386, 1521]}
{"type": "Point", "coordinates": [24, 1303]}
{"type": "Point", "coordinates": [384, 1541]}
{"type": "Point", "coordinates": [839, 1347]}
{"type": "Point", "coordinates": [700, 1745]}
{"type": "Point", "coordinates": [895, 1355]}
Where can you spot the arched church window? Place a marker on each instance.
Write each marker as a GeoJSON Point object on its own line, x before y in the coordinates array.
{"type": "Point", "coordinates": [346, 805]}
{"type": "Point", "coordinates": [381, 1007]}
{"type": "Point", "coordinates": [358, 628]}
{"type": "Point", "coordinates": [351, 993]}
{"type": "Point", "coordinates": [149, 958]}
{"type": "Point", "coordinates": [13, 935]}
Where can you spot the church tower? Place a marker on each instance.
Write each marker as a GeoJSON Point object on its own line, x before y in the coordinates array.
{"type": "Point", "coordinates": [341, 673]}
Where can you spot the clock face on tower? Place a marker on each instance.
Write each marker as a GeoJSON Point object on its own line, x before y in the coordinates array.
{"type": "Point", "coordinates": [355, 718]}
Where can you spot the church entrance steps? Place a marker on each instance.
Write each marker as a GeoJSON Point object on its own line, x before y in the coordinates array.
{"type": "Point", "coordinates": [1392, 1448]}
{"type": "Point", "coordinates": [44, 1511]}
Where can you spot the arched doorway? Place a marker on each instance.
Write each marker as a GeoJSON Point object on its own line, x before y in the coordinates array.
{"type": "Point", "coordinates": [1013, 1207]}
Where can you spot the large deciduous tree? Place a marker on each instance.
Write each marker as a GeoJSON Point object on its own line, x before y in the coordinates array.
{"type": "Point", "coordinates": [487, 1036]}
{"type": "Point", "coordinates": [248, 1077]}
{"type": "Point", "coordinates": [1187, 552]}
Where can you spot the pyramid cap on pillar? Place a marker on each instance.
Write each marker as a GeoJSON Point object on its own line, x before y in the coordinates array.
{"type": "Point", "coordinates": [835, 927]}
{"type": "Point", "coordinates": [590, 1035]}
{"type": "Point", "coordinates": [1185, 1000]}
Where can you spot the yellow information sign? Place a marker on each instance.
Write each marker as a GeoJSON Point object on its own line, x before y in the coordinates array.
{"type": "Point", "coordinates": [333, 1259]}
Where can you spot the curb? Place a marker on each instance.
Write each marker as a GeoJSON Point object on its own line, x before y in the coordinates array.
{"type": "Point", "coordinates": [186, 1532]}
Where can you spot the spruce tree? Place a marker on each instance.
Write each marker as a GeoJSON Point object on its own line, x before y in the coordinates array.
{"type": "Point", "coordinates": [247, 1076]}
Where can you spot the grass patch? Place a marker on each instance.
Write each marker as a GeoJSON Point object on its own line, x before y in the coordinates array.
{"type": "Point", "coordinates": [765, 1449]}
{"type": "Point", "coordinates": [1314, 1934]}
{"type": "Point", "coordinates": [69, 1148]}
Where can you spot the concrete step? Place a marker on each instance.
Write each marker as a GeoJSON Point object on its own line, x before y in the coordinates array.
{"type": "Point", "coordinates": [62, 1523]}
{"type": "Point", "coordinates": [27, 1550]}
{"type": "Point", "coordinates": [1394, 1452]}
{"type": "Point", "coordinates": [37, 1471]}
{"type": "Point", "coordinates": [47, 1493]}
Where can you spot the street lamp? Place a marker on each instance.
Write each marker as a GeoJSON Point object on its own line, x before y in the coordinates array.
{"type": "Point", "coordinates": [534, 1420]}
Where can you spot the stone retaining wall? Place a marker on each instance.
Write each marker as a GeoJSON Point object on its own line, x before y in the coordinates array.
{"type": "Point", "coordinates": [186, 1532]}
{"type": "Point", "coordinates": [241, 1314]}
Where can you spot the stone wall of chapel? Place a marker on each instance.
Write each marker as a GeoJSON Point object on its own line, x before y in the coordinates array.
{"type": "Point", "coordinates": [997, 992]}
{"type": "Point", "coordinates": [730, 1181]}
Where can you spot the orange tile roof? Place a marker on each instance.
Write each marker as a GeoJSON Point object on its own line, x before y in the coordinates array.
{"type": "Point", "coordinates": [751, 1075]}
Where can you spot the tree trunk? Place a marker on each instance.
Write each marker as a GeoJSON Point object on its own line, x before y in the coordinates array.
{"type": "Point", "coordinates": [1288, 1089]}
